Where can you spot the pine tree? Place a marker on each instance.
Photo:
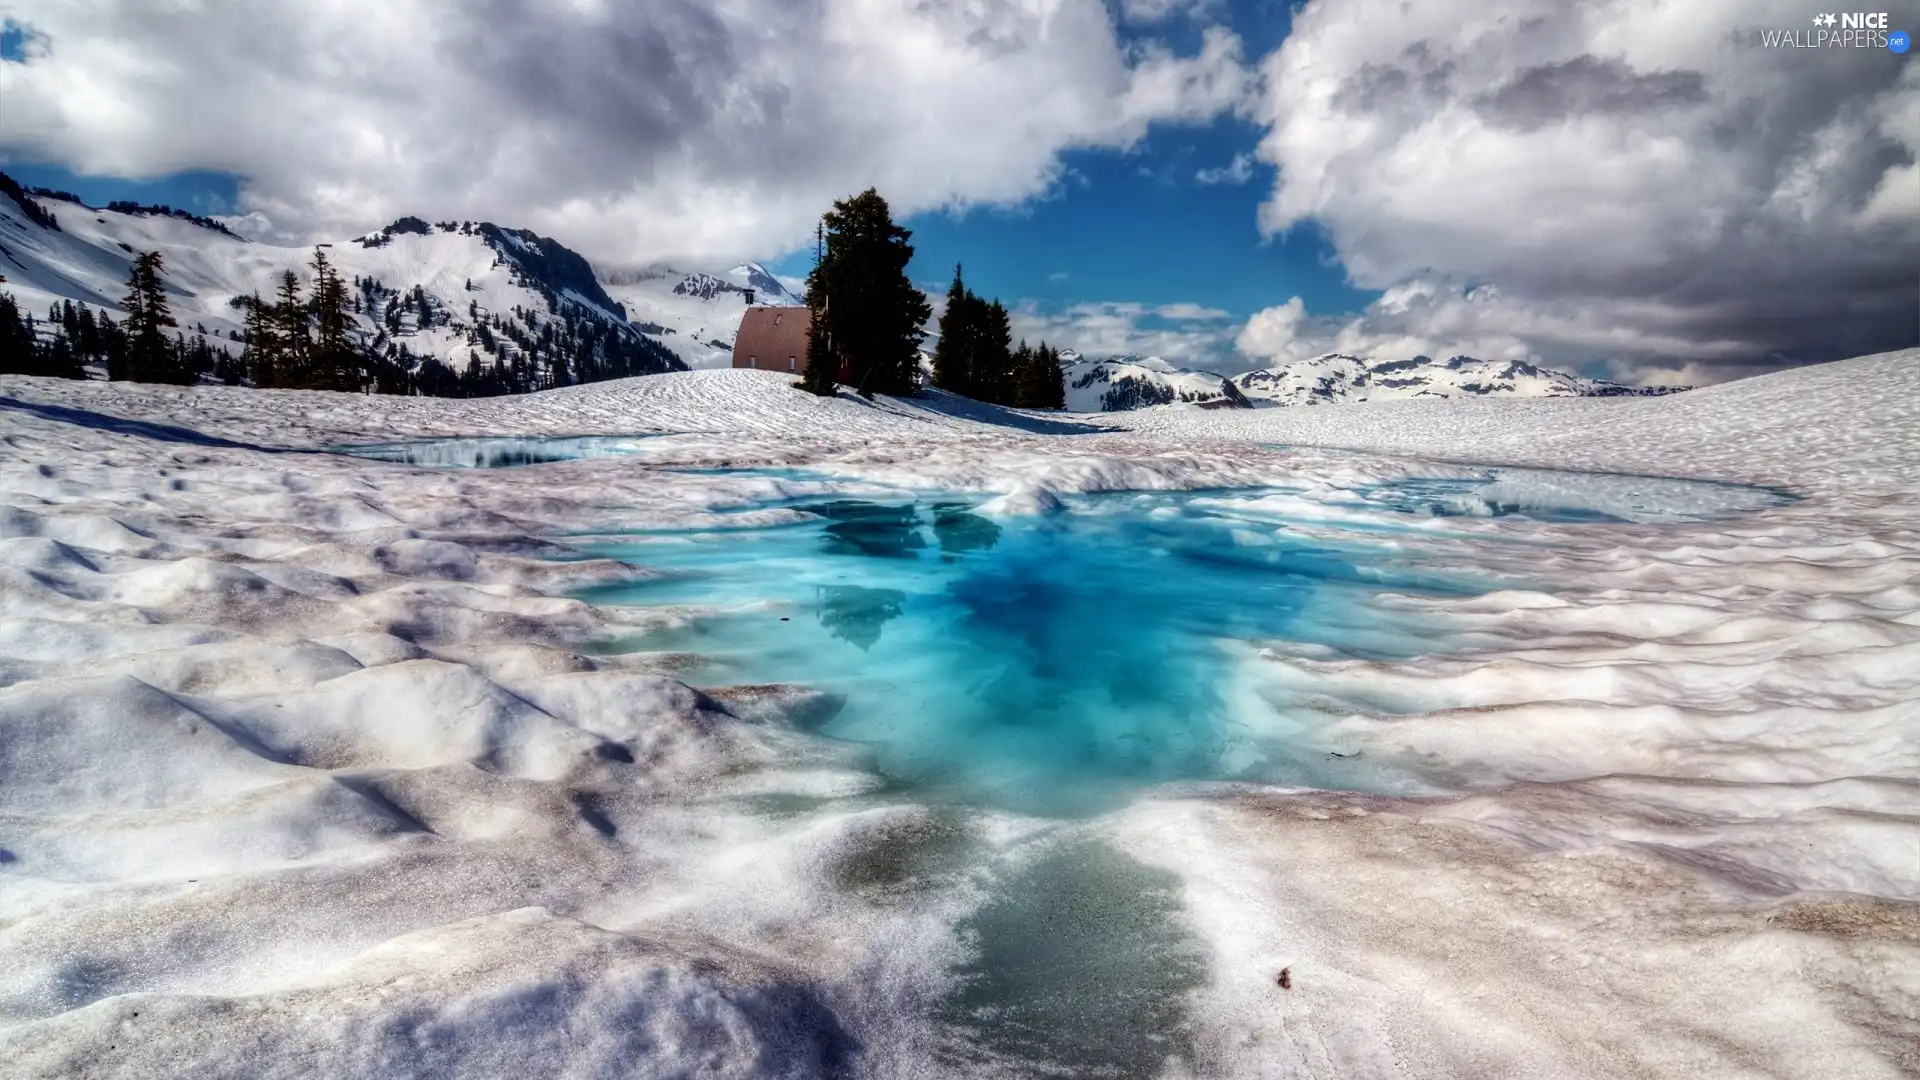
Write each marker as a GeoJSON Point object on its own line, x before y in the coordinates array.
{"type": "Point", "coordinates": [823, 363]}
{"type": "Point", "coordinates": [288, 331]}
{"type": "Point", "coordinates": [1026, 370]}
{"type": "Point", "coordinates": [150, 357]}
{"type": "Point", "coordinates": [953, 354]}
{"type": "Point", "coordinates": [866, 311]}
{"type": "Point", "coordinates": [262, 357]}
{"type": "Point", "coordinates": [823, 360]}
{"type": "Point", "coordinates": [1055, 378]}
{"type": "Point", "coordinates": [992, 376]}
{"type": "Point", "coordinates": [335, 362]}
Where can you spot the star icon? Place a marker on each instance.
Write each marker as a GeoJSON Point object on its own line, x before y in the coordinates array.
{"type": "Point", "coordinates": [1819, 20]}
{"type": "Point", "coordinates": [1830, 19]}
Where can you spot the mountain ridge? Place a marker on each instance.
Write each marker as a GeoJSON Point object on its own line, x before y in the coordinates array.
{"type": "Point", "coordinates": [1126, 382]}
{"type": "Point", "coordinates": [456, 292]}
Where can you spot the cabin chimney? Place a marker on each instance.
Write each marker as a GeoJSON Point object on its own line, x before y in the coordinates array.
{"type": "Point", "coordinates": [749, 297]}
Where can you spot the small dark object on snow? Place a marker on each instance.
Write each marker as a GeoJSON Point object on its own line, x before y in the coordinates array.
{"type": "Point", "coordinates": [1286, 978]}
{"type": "Point", "coordinates": [1336, 753]}
{"type": "Point", "coordinates": [783, 618]}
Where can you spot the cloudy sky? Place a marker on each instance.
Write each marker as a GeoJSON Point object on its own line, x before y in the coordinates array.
{"type": "Point", "coordinates": [1635, 188]}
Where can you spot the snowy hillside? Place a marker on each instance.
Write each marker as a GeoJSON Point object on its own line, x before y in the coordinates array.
{"type": "Point", "coordinates": [455, 292]}
{"type": "Point", "coordinates": [1116, 384]}
{"type": "Point", "coordinates": [1122, 383]}
{"type": "Point", "coordinates": [696, 313]}
{"type": "Point", "coordinates": [466, 270]}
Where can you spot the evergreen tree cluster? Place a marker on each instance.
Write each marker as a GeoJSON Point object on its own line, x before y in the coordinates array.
{"type": "Point", "coordinates": [124, 206]}
{"type": "Point", "coordinates": [318, 343]}
{"type": "Point", "coordinates": [307, 343]}
{"type": "Point", "coordinates": [35, 212]}
{"type": "Point", "coordinates": [74, 337]}
{"type": "Point", "coordinates": [868, 319]}
{"type": "Point", "coordinates": [24, 352]}
{"type": "Point", "coordinates": [975, 356]}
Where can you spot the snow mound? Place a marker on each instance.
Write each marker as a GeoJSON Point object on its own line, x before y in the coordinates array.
{"type": "Point", "coordinates": [317, 764]}
{"type": "Point", "coordinates": [523, 992]}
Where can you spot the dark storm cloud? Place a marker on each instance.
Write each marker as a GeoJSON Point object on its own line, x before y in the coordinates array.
{"type": "Point", "coordinates": [1640, 185]}
{"type": "Point", "coordinates": [1585, 85]}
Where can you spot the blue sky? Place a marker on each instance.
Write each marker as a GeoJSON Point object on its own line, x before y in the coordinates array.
{"type": "Point", "coordinates": [1138, 227]}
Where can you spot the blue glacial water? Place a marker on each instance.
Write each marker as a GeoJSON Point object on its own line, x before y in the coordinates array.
{"type": "Point", "coordinates": [1046, 664]}
{"type": "Point", "coordinates": [1053, 664]}
{"type": "Point", "coordinates": [497, 453]}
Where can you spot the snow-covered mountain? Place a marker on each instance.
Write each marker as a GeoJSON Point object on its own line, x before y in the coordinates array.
{"type": "Point", "coordinates": [1338, 377]}
{"type": "Point", "coordinates": [456, 292]}
{"type": "Point", "coordinates": [696, 313]}
{"type": "Point", "coordinates": [1116, 384]}
{"type": "Point", "coordinates": [453, 291]}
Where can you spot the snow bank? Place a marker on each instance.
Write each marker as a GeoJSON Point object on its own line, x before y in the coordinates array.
{"type": "Point", "coordinates": [310, 763]}
{"type": "Point", "coordinates": [523, 992]}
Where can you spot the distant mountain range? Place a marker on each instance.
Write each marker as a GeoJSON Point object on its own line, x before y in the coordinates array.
{"type": "Point", "coordinates": [1116, 384]}
{"type": "Point", "coordinates": [457, 290]}
{"type": "Point", "coordinates": [450, 290]}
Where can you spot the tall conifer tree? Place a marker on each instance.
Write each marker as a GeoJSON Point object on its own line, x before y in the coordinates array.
{"type": "Point", "coordinates": [1026, 377]}
{"type": "Point", "coordinates": [953, 354]}
{"type": "Point", "coordinates": [992, 353]}
{"type": "Point", "coordinates": [262, 346]}
{"type": "Point", "coordinates": [150, 357]}
{"type": "Point", "coordinates": [292, 350]}
{"type": "Point", "coordinates": [336, 364]}
{"type": "Point", "coordinates": [866, 310]}
{"type": "Point", "coordinates": [1053, 378]}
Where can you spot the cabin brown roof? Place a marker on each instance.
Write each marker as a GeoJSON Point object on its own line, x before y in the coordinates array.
{"type": "Point", "coordinates": [770, 337]}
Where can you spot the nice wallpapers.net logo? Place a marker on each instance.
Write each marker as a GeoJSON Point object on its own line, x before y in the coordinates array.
{"type": "Point", "coordinates": [1844, 30]}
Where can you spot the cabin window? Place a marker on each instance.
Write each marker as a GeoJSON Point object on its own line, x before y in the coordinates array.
{"type": "Point", "coordinates": [753, 361]}
{"type": "Point", "coordinates": [789, 363]}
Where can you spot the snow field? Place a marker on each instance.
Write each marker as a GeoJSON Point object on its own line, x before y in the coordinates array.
{"type": "Point", "coordinates": [311, 762]}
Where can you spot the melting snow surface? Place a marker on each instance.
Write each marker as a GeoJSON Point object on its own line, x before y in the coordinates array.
{"type": "Point", "coordinates": [319, 765]}
{"type": "Point", "coordinates": [494, 453]}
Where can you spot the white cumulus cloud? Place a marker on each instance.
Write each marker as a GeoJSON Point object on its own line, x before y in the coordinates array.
{"type": "Point", "coordinates": [632, 130]}
{"type": "Point", "coordinates": [1237, 171]}
{"type": "Point", "coordinates": [1185, 334]}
